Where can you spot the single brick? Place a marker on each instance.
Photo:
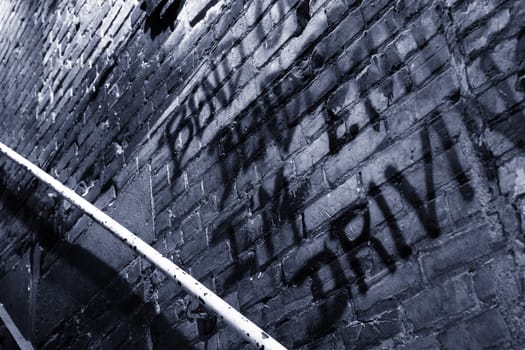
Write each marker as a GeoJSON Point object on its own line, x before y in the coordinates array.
{"type": "Point", "coordinates": [373, 331]}
{"type": "Point", "coordinates": [294, 262]}
{"type": "Point", "coordinates": [276, 243]}
{"type": "Point", "coordinates": [440, 303]}
{"type": "Point", "coordinates": [495, 282]}
{"type": "Point", "coordinates": [450, 255]}
{"type": "Point", "coordinates": [352, 154]}
{"type": "Point", "coordinates": [426, 343]}
{"type": "Point", "coordinates": [382, 294]}
{"type": "Point", "coordinates": [259, 287]}
{"type": "Point", "coordinates": [488, 329]}
{"type": "Point", "coordinates": [329, 205]}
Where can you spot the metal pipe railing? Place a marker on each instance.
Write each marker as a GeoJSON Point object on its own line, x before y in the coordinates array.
{"type": "Point", "coordinates": [247, 329]}
{"type": "Point", "coordinates": [22, 342]}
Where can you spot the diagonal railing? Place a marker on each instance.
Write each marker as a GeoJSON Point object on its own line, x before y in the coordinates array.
{"type": "Point", "coordinates": [22, 342]}
{"type": "Point", "coordinates": [247, 329]}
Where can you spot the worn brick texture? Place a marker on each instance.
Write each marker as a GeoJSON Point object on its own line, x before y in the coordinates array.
{"type": "Point", "coordinates": [348, 174]}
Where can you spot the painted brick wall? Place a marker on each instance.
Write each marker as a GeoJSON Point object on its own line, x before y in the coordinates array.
{"type": "Point", "coordinates": [348, 174]}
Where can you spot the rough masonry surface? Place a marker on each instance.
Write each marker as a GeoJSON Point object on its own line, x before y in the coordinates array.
{"type": "Point", "coordinates": [348, 174]}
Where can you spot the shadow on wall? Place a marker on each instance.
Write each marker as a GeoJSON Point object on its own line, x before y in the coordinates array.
{"type": "Point", "coordinates": [508, 123]}
{"type": "Point", "coordinates": [161, 15]}
{"type": "Point", "coordinates": [424, 206]}
{"type": "Point", "coordinates": [119, 299]}
{"type": "Point", "coordinates": [244, 142]}
{"type": "Point", "coordinates": [520, 61]}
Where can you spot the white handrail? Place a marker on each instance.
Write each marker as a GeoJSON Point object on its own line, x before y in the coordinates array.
{"type": "Point", "coordinates": [247, 329]}
{"type": "Point", "coordinates": [22, 342]}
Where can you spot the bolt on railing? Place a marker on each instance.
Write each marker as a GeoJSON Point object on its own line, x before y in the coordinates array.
{"type": "Point", "coordinates": [247, 329]}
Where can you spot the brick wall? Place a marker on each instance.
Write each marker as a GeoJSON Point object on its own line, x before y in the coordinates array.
{"type": "Point", "coordinates": [348, 174]}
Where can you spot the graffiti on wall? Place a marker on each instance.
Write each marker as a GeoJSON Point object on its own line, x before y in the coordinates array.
{"type": "Point", "coordinates": [245, 140]}
{"type": "Point", "coordinates": [423, 204]}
